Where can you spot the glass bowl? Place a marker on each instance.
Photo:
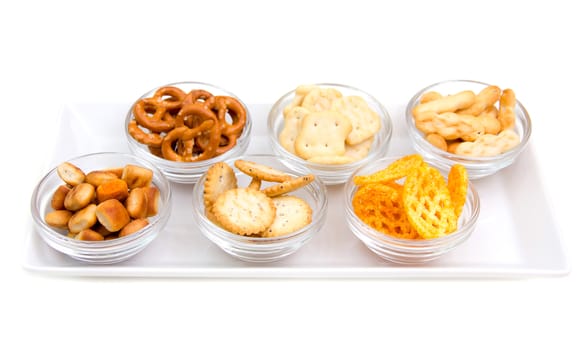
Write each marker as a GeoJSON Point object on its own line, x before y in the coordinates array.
{"type": "Point", "coordinates": [107, 251]}
{"type": "Point", "coordinates": [188, 172]}
{"type": "Point", "coordinates": [330, 174]}
{"type": "Point", "coordinates": [478, 167]}
{"type": "Point", "coordinates": [261, 249]}
{"type": "Point", "coordinates": [408, 251]}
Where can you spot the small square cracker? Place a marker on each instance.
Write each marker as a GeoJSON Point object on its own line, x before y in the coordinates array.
{"type": "Point", "coordinates": [322, 134]}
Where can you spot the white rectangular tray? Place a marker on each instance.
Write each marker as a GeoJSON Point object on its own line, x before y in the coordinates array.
{"type": "Point", "coordinates": [516, 235]}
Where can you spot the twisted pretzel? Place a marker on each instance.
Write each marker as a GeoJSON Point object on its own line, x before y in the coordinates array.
{"type": "Point", "coordinates": [207, 124]}
{"type": "Point", "coordinates": [175, 100]}
{"type": "Point", "coordinates": [150, 115]}
{"type": "Point", "coordinates": [197, 96]}
{"type": "Point", "coordinates": [149, 139]}
{"type": "Point", "coordinates": [230, 132]}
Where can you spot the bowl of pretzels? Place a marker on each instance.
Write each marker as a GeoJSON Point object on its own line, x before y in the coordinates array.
{"type": "Point", "coordinates": [185, 127]}
{"type": "Point", "coordinates": [329, 128]}
{"type": "Point", "coordinates": [101, 208]}
{"type": "Point", "coordinates": [479, 125]}
{"type": "Point", "coordinates": [258, 210]}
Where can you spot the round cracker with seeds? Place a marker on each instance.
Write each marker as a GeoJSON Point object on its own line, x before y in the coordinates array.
{"type": "Point", "coordinates": [219, 178]}
{"type": "Point", "coordinates": [292, 214]}
{"type": "Point", "coordinates": [244, 211]}
{"type": "Point", "coordinates": [288, 186]}
{"type": "Point", "coordinates": [260, 171]}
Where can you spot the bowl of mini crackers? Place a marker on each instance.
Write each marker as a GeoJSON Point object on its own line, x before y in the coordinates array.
{"type": "Point", "coordinates": [331, 129]}
{"type": "Point", "coordinates": [479, 125]}
{"type": "Point", "coordinates": [408, 211]}
{"type": "Point", "coordinates": [185, 127]}
{"type": "Point", "coordinates": [101, 208]}
{"type": "Point", "coordinates": [257, 209]}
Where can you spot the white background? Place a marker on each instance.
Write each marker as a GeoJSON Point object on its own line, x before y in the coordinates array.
{"type": "Point", "coordinates": [56, 52]}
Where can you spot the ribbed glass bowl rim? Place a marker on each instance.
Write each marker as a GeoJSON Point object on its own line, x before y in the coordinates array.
{"type": "Point", "coordinates": [260, 242]}
{"type": "Point", "coordinates": [417, 136]}
{"type": "Point", "coordinates": [126, 242]}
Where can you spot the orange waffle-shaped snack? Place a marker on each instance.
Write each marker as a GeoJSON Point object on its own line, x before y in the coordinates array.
{"type": "Point", "coordinates": [380, 206]}
{"type": "Point", "coordinates": [395, 171]}
{"type": "Point", "coordinates": [457, 182]}
{"type": "Point", "coordinates": [425, 206]}
{"type": "Point", "coordinates": [427, 202]}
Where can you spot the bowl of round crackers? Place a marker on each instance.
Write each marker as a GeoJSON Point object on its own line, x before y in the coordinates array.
{"type": "Point", "coordinates": [257, 209]}
{"type": "Point", "coordinates": [479, 125]}
{"type": "Point", "coordinates": [331, 129]}
{"type": "Point", "coordinates": [185, 127]}
{"type": "Point", "coordinates": [408, 211]}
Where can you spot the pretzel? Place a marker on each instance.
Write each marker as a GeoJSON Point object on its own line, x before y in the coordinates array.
{"type": "Point", "coordinates": [197, 96]}
{"type": "Point", "coordinates": [185, 133]}
{"type": "Point", "coordinates": [176, 94]}
{"type": "Point", "coordinates": [229, 132]}
{"type": "Point", "coordinates": [149, 139]}
{"type": "Point", "coordinates": [149, 114]}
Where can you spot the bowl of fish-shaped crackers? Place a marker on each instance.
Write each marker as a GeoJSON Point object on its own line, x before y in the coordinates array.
{"type": "Point", "coordinates": [331, 129]}
{"type": "Point", "coordinates": [408, 211]}
{"type": "Point", "coordinates": [481, 126]}
{"type": "Point", "coordinates": [257, 209]}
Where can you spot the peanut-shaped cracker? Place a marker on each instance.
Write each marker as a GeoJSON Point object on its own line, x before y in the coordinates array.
{"type": "Point", "coordinates": [506, 112]}
{"type": "Point", "coordinates": [484, 99]}
{"type": "Point", "coordinates": [450, 125]}
{"type": "Point", "coordinates": [364, 120]}
{"type": "Point", "coordinates": [489, 145]}
{"type": "Point", "coordinates": [450, 103]}
{"type": "Point", "coordinates": [322, 134]}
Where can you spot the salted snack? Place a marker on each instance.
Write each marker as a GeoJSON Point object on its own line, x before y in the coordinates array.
{"type": "Point", "coordinates": [187, 126]}
{"type": "Point", "coordinates": [468, 123]}
{"type": "Point", "coordinates": [410, 199]}
{"type": "Point", "coordinates": [106, 204]}
{"type": "Point", "coordinates": [323, 126]}
{"type": "Point", "coordinates": [266, 207]}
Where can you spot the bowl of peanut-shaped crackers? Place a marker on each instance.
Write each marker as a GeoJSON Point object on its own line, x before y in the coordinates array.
{"type": "Point", "coordinates": [331, 129]}
{"type": "Point", "coordinates": [482, 126]}
{"type": "Point", "coordinates": [408, 211]}
{"type": "Point", "coordinates": [101, 208]}
{"type": "Point", "coordinates": [257, 209]}
{"type": "Point", "coordinates": [185, 127]}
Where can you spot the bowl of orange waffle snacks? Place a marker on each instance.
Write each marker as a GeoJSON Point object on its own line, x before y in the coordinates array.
{"type": "Point", "coordinates": [184, 128]}
{"type": "Point", "coordinates": [409, 212]}
{"type": "Point", "coordinates": [258, 210]}
{"type": "Point", "coordinates": [481, 126]}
